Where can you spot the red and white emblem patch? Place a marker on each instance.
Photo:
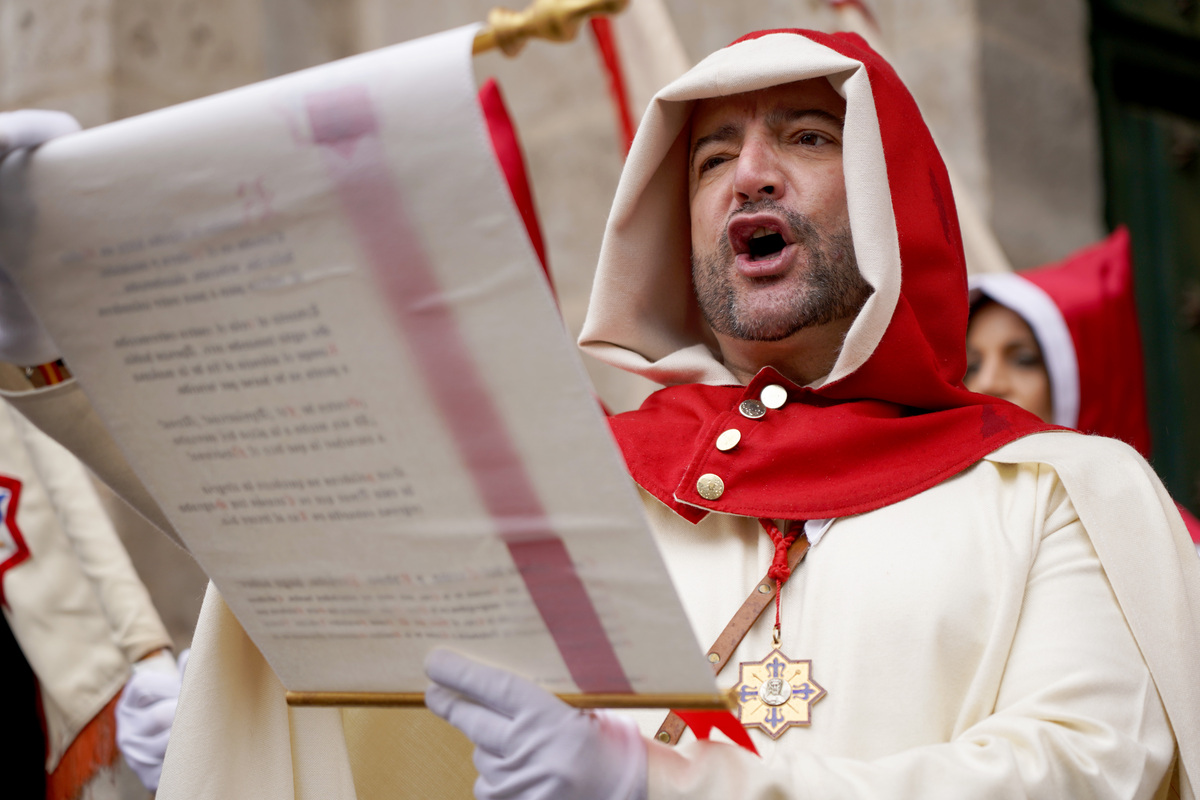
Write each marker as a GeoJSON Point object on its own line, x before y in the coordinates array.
{"type": "Point", "coordinates": [13, 549]}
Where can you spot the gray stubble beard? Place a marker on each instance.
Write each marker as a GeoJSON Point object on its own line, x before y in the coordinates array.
{"type": "Point", "coordinates": [832, 289]}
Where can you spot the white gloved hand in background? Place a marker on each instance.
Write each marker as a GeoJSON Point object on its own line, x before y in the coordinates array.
{"type": "Point", "coordinates": [31, 127]}
{"type": "Point", "coordinates": [23, 340]}
{"type": "Point", "coordinates": [529, 745]}
{"type": "Point", "coordinates": [145, 713]}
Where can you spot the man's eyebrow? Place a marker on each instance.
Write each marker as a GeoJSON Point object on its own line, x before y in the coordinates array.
{"type": "Point", "coordinates": [725, 133]}
{"type": "Point", "coordinates": [781, 116]}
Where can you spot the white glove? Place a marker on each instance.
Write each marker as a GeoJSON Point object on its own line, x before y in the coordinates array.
{"type": "Point", "coordinates": [31, 127]}
{"type": "Point", "coordinates": [23, 340]}
{"type": "Point", "coordinates": [529, 745]}
{"type": "Point", "coordinates": [145, 713]}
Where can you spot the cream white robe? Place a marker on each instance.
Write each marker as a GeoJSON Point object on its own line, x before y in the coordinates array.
{"type": "Point", "coordinates": [968, 638]}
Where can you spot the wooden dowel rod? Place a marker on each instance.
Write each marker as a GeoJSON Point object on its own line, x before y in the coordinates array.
{"type": "Point", "coordinates": [417, 700]}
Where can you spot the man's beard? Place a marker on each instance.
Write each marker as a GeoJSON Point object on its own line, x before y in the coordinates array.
{"type": "Point", "coordinates": [829, 288]}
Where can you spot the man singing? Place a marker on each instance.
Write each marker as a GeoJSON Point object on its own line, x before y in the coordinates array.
{"type": "Point", "coordinates": [991, 611]}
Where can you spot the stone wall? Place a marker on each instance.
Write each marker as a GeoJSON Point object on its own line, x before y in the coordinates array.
{"type": "Point", "coordinates": [57, 54]}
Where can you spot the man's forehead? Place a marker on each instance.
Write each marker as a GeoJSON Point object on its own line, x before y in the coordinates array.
{"type": "Point", "coordinates": [814, 94]}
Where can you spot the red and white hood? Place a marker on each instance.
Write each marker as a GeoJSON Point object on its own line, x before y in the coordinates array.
{"type": "Point", "coordinates": [643, 315]}
{"type": "Point", "coordinates": [892, 418]}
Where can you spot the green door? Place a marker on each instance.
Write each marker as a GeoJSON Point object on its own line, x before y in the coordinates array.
{"type": "Point", "coordinates": [1147, 70]}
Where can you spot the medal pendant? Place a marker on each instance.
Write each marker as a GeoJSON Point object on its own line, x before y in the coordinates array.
{"type": "Point", "coordinates": [776, 693]}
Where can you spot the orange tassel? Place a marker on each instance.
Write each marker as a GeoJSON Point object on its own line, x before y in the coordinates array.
{"type": "Point", "coordinates": [94, 749]}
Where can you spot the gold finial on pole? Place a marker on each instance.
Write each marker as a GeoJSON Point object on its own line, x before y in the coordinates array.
{"type": "Point", "coordinates": [556, 20]}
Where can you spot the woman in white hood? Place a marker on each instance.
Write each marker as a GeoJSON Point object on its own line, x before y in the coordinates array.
{"type": "Point", "coordinates": [1063, 341]}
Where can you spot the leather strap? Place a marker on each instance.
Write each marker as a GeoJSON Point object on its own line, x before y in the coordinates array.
{"type": "Point", "coordinates": [736, 630]}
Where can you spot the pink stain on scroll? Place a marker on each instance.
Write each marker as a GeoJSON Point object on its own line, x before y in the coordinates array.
{"type": "Point", "coordinates": [346, 129]}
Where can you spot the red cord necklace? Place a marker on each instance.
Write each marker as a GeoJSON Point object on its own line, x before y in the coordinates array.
{"type": "Point", "coordinates": [777, 693]}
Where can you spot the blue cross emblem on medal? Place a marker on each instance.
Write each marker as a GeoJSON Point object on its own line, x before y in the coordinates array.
{"type": "Point", "coordinates": [776, 693]}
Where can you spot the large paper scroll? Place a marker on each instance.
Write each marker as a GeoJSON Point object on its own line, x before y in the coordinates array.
{"type": "Point", "coordinates": [308, 312]}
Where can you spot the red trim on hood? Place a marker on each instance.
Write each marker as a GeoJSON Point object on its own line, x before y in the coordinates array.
{"type": "Point", "coordinates": [899, 424]}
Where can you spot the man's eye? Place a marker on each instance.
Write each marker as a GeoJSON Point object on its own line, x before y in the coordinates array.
{"type": "Point", "coordinates": [712, 161]}
{"type": "Point", "coordinates": [813, 139]}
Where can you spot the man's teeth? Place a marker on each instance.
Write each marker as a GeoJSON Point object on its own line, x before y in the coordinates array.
{"type": "Point", "coordinates": [760, 232]}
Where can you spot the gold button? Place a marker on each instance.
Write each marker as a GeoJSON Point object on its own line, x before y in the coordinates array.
{"type": "Point", "coordinates": [710, 486]}
{"type": "Point", "coordinates": [752, 409]}
{"type": "Point", "coordinates": [764, 588]}
{"type": "Point", "coordinates": [713, 658]}
{"type": "Point", "coordinates": [729, 439]}
{"type": "Point", "coordinates": [773, 396]}
{"type": "Point", "coordinates": [664, 737]}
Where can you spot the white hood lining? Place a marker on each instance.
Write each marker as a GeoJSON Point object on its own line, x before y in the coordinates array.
{"type": "Point", "coordinates": [1039, 311]}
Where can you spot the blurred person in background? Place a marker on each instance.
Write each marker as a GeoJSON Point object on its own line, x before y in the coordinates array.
{"type": "Point", "coordinates": [1062, 341]}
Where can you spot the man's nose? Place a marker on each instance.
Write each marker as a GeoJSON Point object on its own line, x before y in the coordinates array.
{"type": "Point", "coordinates": [758, 173]}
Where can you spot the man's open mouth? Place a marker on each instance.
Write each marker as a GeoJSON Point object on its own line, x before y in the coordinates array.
{"type": "Point", "coordinates": [764, 243]}
{"type": "Point", "coordinates": [759, 238]}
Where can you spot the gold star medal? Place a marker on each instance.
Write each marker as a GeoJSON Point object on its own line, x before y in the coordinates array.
{"type": "Point", "coordinates": [776, 693]}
